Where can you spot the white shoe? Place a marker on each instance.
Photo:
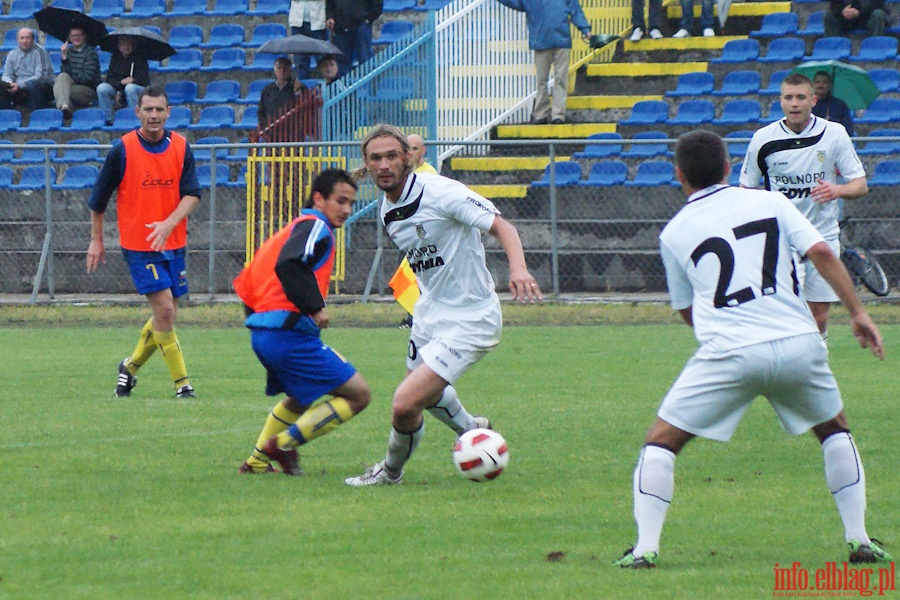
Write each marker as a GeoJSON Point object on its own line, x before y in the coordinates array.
{"type": "Point", "coordinates": [637, 34]}
{"type": "Point", "coordinates": [681, 33]}
{"type": "Point", "coordinates": [482, 422]}
{"type": "Point", "coordinates": [709, 32]}
{"type": "Point", "coordinates": [656, 34]}
{"type": "Point", "coordinates": [374, 475]}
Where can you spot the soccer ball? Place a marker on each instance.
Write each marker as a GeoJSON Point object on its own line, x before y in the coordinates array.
{"type": "Point", "coordinates": [480, 454]}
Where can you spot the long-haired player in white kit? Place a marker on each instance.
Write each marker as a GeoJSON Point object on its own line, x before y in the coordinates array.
{"type": "Point", "coordinates": [438, 223]}
{"type": "Point", "coordinates": [801, 156]}
{"type": "Point", "coordinates": [731, 275]}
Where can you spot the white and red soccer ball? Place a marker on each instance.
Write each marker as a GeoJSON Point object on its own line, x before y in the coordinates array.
{"type": "Point", "coordinates": [480, 454]}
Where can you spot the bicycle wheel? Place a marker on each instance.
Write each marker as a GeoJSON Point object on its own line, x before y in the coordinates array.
{"type": "Point", "coordinates": [863, 264]}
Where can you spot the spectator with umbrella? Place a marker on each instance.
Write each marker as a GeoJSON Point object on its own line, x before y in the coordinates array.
{"type": "Point", "coordinates": [128, 75]}
{"type": "Point", "coordinates": [76, 84]}
{"type": "Point", "coordinates": [27, 74]}
{"type": "Point", "coordinates": [277, 95]}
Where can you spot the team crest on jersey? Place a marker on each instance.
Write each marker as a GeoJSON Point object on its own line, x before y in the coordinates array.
{"type": "Point", "coordinates": [420, 231]}
{"type": "Point", "coordinates": [820, 156]}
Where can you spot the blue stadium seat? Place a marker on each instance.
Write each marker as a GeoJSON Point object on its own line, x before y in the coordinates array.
{"type": "Point", "coordinates": [154, 29]}
{"type": "Point", "coordinates": [774, 86]}
{"type": "Point", "coordinates": [830, 48]}
{"type": "Point", "coordinates": [87, 119]}
{"type": "Point", "coordinates": [738, 149]}
{"type": "Point", "coordinates": [398, 5]}
{"type": "Point", "coordinates": [33, 178]}
{"type": "Point", "coordinates": [240, 181]}
{"type": "Point", "coordinates": [239, 154]}
{"type": "Point", "coordinates": [205, 154]}
{"type": "Point", "coordinates": [6, 177]}
{"type": "Point", "coordinates": [56, 61]}
{"type": "Point", "coordinates": [75, 155]}
{"type": "Point", "coordinates": [876, 49]}
{"type": "Point", "coordinates": [52, 44]}
{"type": "Point", "coordinates": [643, 151]}
{"type": "Point", "coordinates": [815, 25]}
{"type": "Point", "coordinates": [147, 9]}
{"type": "Point", "coordinates": [254, 90]}
{"type": "Point", "coordinates": [9, 40]}
{"type": "Point", "coordinates": [187, 8]}
{"type": "Point", "coordinates": [887, 173]}
{"type": "Point", "coordinates": [226, 59]}
{"type": "Point", "coordinates": [261, 62]}
{"type": "Point", "coordinates": [204, 174]}
{"type": "Point", "coordinates": [739, 112]}
{"type": "Point", "coordinates": [393, 31]}
{"type": "Point", "coordinates": [568, 172]}
{"type": "Point", "coordinates": [789, 49]}
{"type": "Point", "coordinates": [180, 118]}
{"type": "Point", "coordinates": [653, 173]}
{"type": "Point", "coordinates": [215, 117]}
{"type": "Point", "coordinates": [69, 4]}
{"type": "Point", "coordinates": [264, 32]}
{"type": "Point", "coordinates": [104, 57]}
{"type": "Point", "coordinates": [225, 91]}
{"type": "Point", "coordinates": [181, 91]}
{"type": "Point", "coordinates": [183, 61]}
{"type": "Point", "coordinates": [10, 120]}
{"type": "Point", "coordinates": [225, 35]}
{"type": "Point", "coordinates": [776, 113]}
{"type": "Point", "coordinates": [600, 150]}
{"type": "Point", "coordinates": [606, 173]}
{"type": "Point", "coordinates": [6, 153]}
{"type": "Point", "coordinates": [881, 148]}
{"type": "Point", "coordinates": [124, 120]}
{"type": "Point", "coordinates": [32, 156]}
{"type": "Point", "coordinates": [22, 10]}
{"type": "Point", "coordinates": [739, 83]}
{"type": "Point", "coordinates": [882, 110]}
{"type": "Point", "coordinates": [107, 9]}
{"type": "Point", "coordinates": [886, 80]}
{"type": "Point", "coordinates": [394, 88]}
{"type": "Point", "coordinates": [44, 119]}
{"type": "Point", "coordinates": [776, 25]}
{"type": "Point", "coordinates": [647, 112]}
{"type": "Point", "coordinates": [698, 83]}
{"type": "Point", "coordinates": [734, 178]}
{"type": "Point", "coordinates": [266, 8]}
{"type": "Point", "coordinates": [78, 177]}
{"type": "Point", "coordinates": [693, 112]}
{"type": "Point", "coordinates": [249, 119]}
{"type": "Point", "coordinates": [431, 5]}
{"type": "Point", "coordinates": [185, 36]}
{"type": "Point", "coordinates": [738, 51]}
{"type": "Point", "coordinates": [228, 8]}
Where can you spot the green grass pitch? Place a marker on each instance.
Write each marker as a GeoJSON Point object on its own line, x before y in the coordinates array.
{"type": "Point", "coordinates": [140, 497]}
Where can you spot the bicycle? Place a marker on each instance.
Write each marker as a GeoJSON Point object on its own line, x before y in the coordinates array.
{"type": "Point", "coordinates": [862, 264]}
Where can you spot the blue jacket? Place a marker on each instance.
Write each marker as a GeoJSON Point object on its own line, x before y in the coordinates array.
{"type": "Point", "coordinates": [548, 21]}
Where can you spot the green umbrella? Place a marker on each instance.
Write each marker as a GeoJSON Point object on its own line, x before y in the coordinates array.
{"type": "Point", "coordinates": [849, 83]}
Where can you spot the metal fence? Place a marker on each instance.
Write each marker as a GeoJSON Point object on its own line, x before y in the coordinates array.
{"type": "Point", "coordinates": [578, 236]}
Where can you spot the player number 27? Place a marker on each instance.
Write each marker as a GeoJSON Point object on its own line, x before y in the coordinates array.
{"type": "Point", "coordinates": [722, 249]}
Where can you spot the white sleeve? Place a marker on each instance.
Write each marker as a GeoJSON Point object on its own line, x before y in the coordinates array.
{"type": "Point", "coordinates": [847, 160]}
{"type": "Point", "coordinates": [801, 233]}
{"type": "Point", "coordinates": [750, 172]}
{"type": "Point", "coordinates": [681, 293]}
{"type": "Point", "coordinates": [469, 208]}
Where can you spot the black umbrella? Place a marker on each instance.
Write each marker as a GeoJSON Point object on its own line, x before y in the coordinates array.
{"type": "Point", "coordinates": [299, 44]}
{"type": "Point", "coordinates": [58, 21]}
{"type": "Point", "coordinates": [148, 43]}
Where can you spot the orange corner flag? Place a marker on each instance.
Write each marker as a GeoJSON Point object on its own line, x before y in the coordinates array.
{"type": "Point", "coordinates": [405, 286]}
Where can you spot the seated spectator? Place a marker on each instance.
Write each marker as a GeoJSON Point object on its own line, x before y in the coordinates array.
{"type": "Point", "coordinates": [76, 84]}
{"type": "Point", "coordinates": [128, 75]}
{"type": "Point", "coordinates": [845, 16]}
{"type": "Point", "coordinates": [827, 106]}
{"type": "Point", "coordinates": [27, 74]}
{"type": "Point", "coordinates": [687, 19]}
{"type": "Point", "coordinates": [277, 95]}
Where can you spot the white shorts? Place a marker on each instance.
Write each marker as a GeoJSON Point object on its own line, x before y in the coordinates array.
{"type": "Point", "coordinates": [814, 286]}
{"type": "Point", "coordinates": [714, 390]}
{"type": "Point", "coordinates": [449, 347]}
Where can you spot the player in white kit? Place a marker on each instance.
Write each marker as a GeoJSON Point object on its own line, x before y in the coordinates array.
{"type": "Point", "coordinates": [731, 274]}
{"type": "Point", "coordinates": [801, 156]}
{"type": "Point", "coordinates": [438, 222]}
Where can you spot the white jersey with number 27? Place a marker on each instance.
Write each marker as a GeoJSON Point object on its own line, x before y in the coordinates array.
{"type": "Point", "coordinates": [728, 254]}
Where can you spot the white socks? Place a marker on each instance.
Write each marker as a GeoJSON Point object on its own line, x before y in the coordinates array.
{"type": "Point", "coordinates": [401, 446]}
{"type": "Point", "coordinates": [449, 410]}
{"type": "Point", "coordinates": [846, 481]}
{"type": "Point", "coordinates": [654, 483]}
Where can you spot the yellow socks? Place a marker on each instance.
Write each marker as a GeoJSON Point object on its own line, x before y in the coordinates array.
{"type": "Point", "coordinates": [278, 420]}
{"type": "Point", "coordinates": [317, 421]}
{"type": "Point", "coordinates": [168, 344]}
{"type": "Point", "coordinates": [145, 348]}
